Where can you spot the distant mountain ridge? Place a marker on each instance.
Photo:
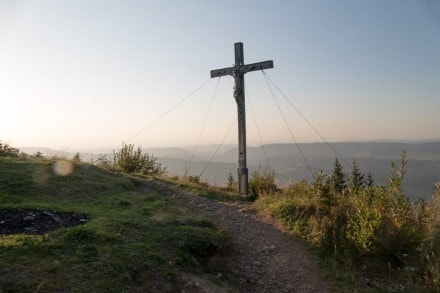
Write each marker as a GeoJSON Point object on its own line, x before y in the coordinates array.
{"type": "Point", "coordinates": [422, 172]}
{"type": "Point", "coordinates": [375, 157]}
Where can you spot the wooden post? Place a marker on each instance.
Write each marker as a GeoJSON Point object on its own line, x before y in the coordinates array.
{"type": "Point", "coordinates": [238, 72]}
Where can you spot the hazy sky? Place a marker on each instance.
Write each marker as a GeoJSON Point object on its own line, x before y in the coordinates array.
{"type": "Point", "coordinates": [91, 74]}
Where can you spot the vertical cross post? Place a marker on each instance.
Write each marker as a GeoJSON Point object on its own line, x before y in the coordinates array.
{"type": "Point", "coordinates": [238, 72]}
{"type": "Point", "coordinates": [239, 93]}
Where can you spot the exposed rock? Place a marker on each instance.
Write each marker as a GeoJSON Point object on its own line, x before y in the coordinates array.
{"type": "Point", "coordinates": [28, 218]}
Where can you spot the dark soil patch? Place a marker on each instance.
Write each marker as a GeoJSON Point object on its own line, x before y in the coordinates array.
{"type": "Point", "coordinates": [30, 221]}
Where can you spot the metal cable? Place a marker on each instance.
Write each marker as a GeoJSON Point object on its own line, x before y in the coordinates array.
{"type": "Point", "coordinates": [163, 115]}
{"type": "Point", "coordinates": [203, 125]}
{"type": "Point", "coordinates": [288, 127]}
{"type": "Point", "coordinates": [167, 112]}
{"type": "Point", "coordinates": [308, 122]}
{"type": "Point", "coordinates": [220, 145]}
{"type": "Point", "coordinates": [256, 126]}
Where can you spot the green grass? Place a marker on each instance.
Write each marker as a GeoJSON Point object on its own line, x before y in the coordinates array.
{"type": "Point", "coordinates": [135, 239]}
{"type": "Point", "coordinates": [203, 189]}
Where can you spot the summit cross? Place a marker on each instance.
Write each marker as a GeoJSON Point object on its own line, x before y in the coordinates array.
{"type": "Point", "coordinates": [238, 72]}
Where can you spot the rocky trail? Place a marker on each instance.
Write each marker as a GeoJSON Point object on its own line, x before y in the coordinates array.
{"type": "Point", "coordinates": [264, 258]}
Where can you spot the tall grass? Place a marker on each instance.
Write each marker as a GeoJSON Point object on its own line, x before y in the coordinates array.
{"type": "Point", "coordinates": [368, 224]}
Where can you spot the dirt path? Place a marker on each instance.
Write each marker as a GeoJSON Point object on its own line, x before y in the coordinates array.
{"type": "Point", "coordinates": [264, 258]}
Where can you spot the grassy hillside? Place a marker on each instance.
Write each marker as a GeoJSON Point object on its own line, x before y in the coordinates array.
{"type": "Point", "coordinates": [134, 239]}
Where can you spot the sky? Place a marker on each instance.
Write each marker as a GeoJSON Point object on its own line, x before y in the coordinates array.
{"type": "Point", "coordinates": [89, 74]}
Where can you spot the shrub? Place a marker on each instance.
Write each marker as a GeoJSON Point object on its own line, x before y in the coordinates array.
{"type": "Point", "coordinates": [262, 181]}
{"type": "Point", "coordinates": [7, 151]}
{"type": "Point", "coordinates": [77, 158]}
{"type": "Point", "coordinates": [38, 155]}
{"type": "Point", "coordinates": [430, 247]}
{"type": "Point", "coordinates": [231, 185]}
{"type": "Point", "coordinates": [362, 219]}
{"type": "Point", "coordinates": [103, 162]}
{"type": "Point", "coordinates": [193, 179]}
{"type": "Point", "coordinates": [129, 160]}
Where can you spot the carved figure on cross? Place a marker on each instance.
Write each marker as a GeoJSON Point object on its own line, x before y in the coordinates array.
{"type": "Point", "coordinates": [238, 90]}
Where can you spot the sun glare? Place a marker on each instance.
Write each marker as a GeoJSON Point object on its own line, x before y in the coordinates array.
{"type": "Point", "coordinates": [63, 168]}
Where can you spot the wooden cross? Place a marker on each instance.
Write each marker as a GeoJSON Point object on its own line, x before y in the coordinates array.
{"type": "Point", "coordinates": [238, 72]}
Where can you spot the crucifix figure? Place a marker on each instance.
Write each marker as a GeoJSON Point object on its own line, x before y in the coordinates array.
{"type": "Point", "coordinates": [238, 72]}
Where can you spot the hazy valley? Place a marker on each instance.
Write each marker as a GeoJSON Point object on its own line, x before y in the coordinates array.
{"type": "Point", "coordinates": [375, 157]}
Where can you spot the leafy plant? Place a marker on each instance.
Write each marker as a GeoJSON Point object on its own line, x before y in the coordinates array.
{"type": "Point", "coordinates": [7, 151]}
{"type": "Point", "coordinates": [262, 181]}
{"type": "Point", "coordinates": [127, 159]}
{"type": "Point", "coordinates": [231, 185]}
{"type": "Point", "coordinates": [38, 155]}
{"type": "Point", "coordinates": [77, 158]}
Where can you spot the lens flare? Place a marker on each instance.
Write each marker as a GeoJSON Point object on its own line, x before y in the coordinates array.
{"type": "Point", "coordinates": [40, 176]}
{"type": "Point", "coordinates": [63, 168]}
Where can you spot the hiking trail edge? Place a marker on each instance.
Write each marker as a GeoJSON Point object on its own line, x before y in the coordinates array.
{"type": "Point", "coordinates": [264, 258]}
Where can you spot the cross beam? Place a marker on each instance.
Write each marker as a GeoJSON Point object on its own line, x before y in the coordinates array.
{"type": "Point", "coordinates": [238, 72]}
{"type": "Point", "coordinates": [244, 69]}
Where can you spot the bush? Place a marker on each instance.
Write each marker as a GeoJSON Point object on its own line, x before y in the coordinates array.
{"type": "Point", "coordinates": [193, 179]}
{"type": "Point", "coordinates": [129, 160]}
{"type": "Point", "coordinates": [262, 181]}
{"type": "Point", "coordinates": [7, 151]}
{"type": "Point", "coordinates": [361, 219]}
{"type": "Point", "coordinates": [231, 185]}
{"type": "Point", "coordinates": [38, 155]}
{"type": "Point", "coordinates": [77, 158]}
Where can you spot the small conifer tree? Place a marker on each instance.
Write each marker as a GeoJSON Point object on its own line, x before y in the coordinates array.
{"type": "Point", "coordinates": [77, 157]}
{"type": "Point", "coordinates": [370, 180]}
{"type": "Point", "coordinates": [337, 178]}
{"type": "Point", "coordinates": [357, 180]}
